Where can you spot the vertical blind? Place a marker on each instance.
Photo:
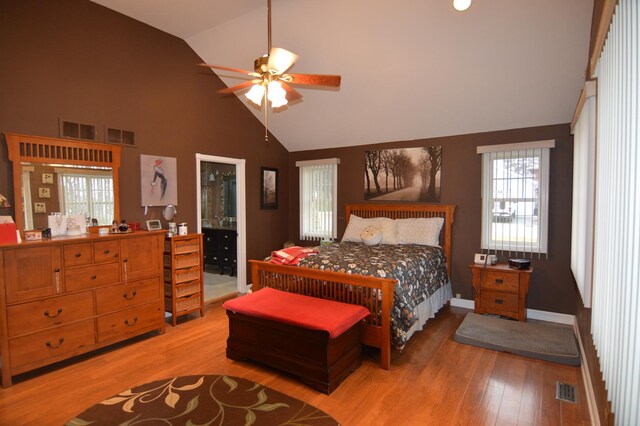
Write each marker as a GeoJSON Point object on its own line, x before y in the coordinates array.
{"type": "Point", "coordinates": [515, 197]}
{"type": "Point", "coordinates": [318, 199]}
{"type": "Point", "coordinates": [616, 258]}
{"type": "Point", "coordinates": [584, 147]}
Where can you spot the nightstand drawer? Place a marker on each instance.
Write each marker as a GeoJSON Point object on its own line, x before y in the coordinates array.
{"type": "Point", "coordinates": [498, 280]}
{"type": "Point", "coordinates": [499, 303]}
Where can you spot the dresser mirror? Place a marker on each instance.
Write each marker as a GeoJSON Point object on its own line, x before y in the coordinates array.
{"type": "Point", "coordinates": [62, 176]}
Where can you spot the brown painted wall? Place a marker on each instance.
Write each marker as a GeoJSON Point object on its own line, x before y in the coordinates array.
{"type": "Point", "coordinates": [76, 60]}
{"type": "Point", "coordinates": [552, 287]}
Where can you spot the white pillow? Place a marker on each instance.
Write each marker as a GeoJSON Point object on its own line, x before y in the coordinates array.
{"type": "Point", "coordinates": [425, 231]}
{"type": "Point", "coordinates": [355, 227]}
{"type": "Point", "coordinates": [389, 230]}
{"type": "Point", "coordinates": [357, 224]}
{"type": "Point", "coordinates": [371, 236]}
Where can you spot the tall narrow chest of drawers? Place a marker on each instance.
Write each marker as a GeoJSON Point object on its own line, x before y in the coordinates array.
{"type": "Point", "coordinates": [67, 296]}
{"type": "Point", "coordinates": [183, 275]}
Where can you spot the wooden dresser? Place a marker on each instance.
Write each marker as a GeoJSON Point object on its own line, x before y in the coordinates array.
{"type": "Point", "coordinates": [67, 296]}
{"type": "Point", "coordinates": [183, 280]}
{"type": "Point", "coordinates": [501, 290]}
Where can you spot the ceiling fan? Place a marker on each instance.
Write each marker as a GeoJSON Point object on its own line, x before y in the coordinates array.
{"type": "Point", "coordinates": [271, 83]}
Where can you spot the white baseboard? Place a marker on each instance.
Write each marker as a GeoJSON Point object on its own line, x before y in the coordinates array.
{"type": "Point", "coordinates": [462, 303]}
{"type": "Point", "coordinates": [586, 378]}
{"type": "Point", "coordinates": [531, 313]}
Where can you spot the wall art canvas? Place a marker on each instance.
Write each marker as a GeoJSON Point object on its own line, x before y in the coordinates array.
{"type": "Point", "coordinates": [269, 193]}
{"type": "Point", "coordinates": [158, 180]}
{"type": "Point", "coordinates": [407, 174]}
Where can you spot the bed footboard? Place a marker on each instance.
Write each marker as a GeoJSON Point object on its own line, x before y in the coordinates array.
{"type": "Point", "coordinates": [375, 294]}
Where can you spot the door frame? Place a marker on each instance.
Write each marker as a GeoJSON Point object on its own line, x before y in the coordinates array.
{"type": "Point", "coordinates": [241, 221]}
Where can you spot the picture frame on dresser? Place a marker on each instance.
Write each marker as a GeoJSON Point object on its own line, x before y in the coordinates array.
{"type": "Point", "coordinates": [268, 188]}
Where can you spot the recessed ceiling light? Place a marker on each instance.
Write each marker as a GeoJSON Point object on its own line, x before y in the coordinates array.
{"type": "Point", "coordinates": [461, 5]}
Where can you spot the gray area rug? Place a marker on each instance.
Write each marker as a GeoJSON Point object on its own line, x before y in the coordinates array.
{"type": "Point", "coordinates": [554, 343]}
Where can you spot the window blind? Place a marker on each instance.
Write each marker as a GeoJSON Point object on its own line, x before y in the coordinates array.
{"type": "Point", "coordinates": [615, 318]}
{"type": "Point", "coordinates": [318, 199]}
{"type": "Point", "coordinates": [515, 197]}
{"type": "Point", "coordinates": [584, 146]}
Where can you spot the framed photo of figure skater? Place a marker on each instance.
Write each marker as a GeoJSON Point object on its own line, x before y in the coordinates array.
{"type": "Point", "coordinates": [158, 180]}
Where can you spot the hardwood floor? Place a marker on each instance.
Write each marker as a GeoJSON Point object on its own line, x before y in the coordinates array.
{"type": "Point", "coordinates": [435, 380]}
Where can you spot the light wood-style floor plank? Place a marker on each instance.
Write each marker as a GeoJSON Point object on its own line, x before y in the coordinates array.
{"type": "Point", "coordinates": [435, 380]}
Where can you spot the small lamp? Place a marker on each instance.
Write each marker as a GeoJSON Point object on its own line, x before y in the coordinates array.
{"type": "Point", "coordinates": [4, 203]}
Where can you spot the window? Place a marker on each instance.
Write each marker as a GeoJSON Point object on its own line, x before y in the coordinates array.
{"type": "Point", "coordinates": [515, 185]}
{"type": "Point", "coordinates": [584, 151]}
{"type": "Point", "coordinates": [318, 199]}
{"type": "Point", "coordinates": [87, 192]}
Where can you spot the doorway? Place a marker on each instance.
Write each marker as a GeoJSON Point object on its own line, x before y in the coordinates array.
{"type": "Point", "coordinates": [221, 216]}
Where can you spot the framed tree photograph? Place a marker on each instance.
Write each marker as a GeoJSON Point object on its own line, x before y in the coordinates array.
{"type": "Point", "coordinates": [269, 188]}
{"type": "Point", "coordinates": [407, 174]}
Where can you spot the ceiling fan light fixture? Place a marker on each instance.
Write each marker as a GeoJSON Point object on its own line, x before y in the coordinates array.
{"type": "Point", "coordinates": [461, 5]}
{"type": "Point", "coordinates": [276, 94]}
{"type": "Point", "coordinates": [255, 94]}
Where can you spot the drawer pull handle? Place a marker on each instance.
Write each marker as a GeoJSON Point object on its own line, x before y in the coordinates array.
{"type": "Point", "coordinates": [131, 324]}
{"type": "Point", "coordinates": [133, 295]}
{"type": "Point", "coordinates": [50, 345]}
{"type": "Point", "coordinates": [93, 277]}
{"type": "Point", "coordinates": [499, 301]}
{"type": "Point", "coordinates": [78, 254]}
{"type": "Point", "coordinates": [48, 315]}
{"type": "Point", "coordinates": [499, 281]}
{"type": "Point", "coordinates": [107, 251]}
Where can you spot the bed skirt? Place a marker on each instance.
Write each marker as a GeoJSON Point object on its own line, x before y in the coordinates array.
{"type": "Point", "coordinates": [428, 309]}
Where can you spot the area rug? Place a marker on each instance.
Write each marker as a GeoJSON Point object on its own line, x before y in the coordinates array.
{"type": "Point", "coordinates": [200, 400]}
{"type": "Point", "coordinates": [554, 343]}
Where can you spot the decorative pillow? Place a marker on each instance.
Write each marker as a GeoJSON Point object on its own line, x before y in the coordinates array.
{"type": "Point", "coordinates": [389, 230]}
{"type": "Point", "coordinates": [371, 236]}
{"type": "Point", "coordinates": [425, 231]}
{"type": "Point", "coordinates": [355, 227]}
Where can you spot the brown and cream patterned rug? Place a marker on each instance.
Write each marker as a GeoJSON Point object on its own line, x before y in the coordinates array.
{"type": "Point", "coordinates": [200, 400]}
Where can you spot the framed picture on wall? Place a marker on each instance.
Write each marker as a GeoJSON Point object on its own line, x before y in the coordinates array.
{"type": "Point", "coordinates": [269, 188]}
{"type": "Point", "coordinates": [158, 180]}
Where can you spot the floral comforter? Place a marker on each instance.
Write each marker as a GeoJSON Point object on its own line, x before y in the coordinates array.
{"type": "Point", "coordinates": [420, 271]}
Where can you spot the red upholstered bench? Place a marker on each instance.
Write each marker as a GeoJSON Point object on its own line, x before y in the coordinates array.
{"type": "Point", "coordinates": [315, 339]}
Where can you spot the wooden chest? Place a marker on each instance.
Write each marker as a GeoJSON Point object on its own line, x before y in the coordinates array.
{"type": "Point", "coordinates": [318, 361]}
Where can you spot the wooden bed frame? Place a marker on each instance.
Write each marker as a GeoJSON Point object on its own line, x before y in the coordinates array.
{"type": "Point", "coordinates": [376, 294]}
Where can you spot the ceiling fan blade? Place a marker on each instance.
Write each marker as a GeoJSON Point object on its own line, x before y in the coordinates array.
{"type": "Point", "coordinates": [292, 94]}
{"type": "Point", "coordinates": [316, 79]}
{"type": "Point", "coordinates": [238, 87]}
{"type": "Point", "coordinates": [281, 60]}
{"type": "Point", "coordinates": [220, 67]}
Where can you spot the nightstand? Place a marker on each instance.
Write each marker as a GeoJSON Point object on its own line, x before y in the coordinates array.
{"type": "Point", "coordinates": [500, 290]}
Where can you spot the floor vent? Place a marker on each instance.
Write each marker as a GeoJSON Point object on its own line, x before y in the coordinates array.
{"type": "Point", "coordinates": [565, 392]}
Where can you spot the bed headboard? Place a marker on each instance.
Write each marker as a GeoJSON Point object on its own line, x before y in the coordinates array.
{"type": "Point", "coordinates": [407, 211]}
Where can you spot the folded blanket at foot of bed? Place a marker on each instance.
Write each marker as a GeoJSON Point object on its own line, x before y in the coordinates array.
{"type": "Point", "coordinates": [292, 255]}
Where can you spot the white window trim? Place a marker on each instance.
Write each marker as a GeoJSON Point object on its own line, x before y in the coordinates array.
{"type": "Point", "coordinates": [543, 207]}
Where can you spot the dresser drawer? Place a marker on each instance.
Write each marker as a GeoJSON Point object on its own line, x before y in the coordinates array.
{"type": "Point", "coordinates": [106, 251]}
{"type": "Point", "coordinates": [498, 280]}
{"type": "Point", "coordinates": [129, 322]}
{"type": "Point", "coordinates": [499, 303]}
{"type": "Point", "coordinates": [113, 298]}
{"type": "Point", "coordinates": [92, 276]}
{"type": "Point", "coordinates": [47, 313]}
{"type": "Point", "coordinates": [77, 254]}
{"type": "Point", "coordinates": [57, 342]}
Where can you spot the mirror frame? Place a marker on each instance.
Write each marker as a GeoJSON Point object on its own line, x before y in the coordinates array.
{"type": "Point", "coordinates": [45, 150]}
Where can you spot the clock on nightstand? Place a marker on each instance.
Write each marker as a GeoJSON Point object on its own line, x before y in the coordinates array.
{"type": "Point", "coordinates": [501, 290]}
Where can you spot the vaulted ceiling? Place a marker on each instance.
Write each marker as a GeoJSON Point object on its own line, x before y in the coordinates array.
{"type": "Point", "coordinates": [411, 69]}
